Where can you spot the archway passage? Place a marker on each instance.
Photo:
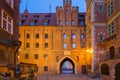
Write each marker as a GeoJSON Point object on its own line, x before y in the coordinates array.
{"type": "Point", "coordinates": [117, 72]}
{"type": "Point", "coordinates": [67, 66]}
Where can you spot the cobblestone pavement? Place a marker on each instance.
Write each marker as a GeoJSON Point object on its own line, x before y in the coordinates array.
{"type": "Point", "coordinates": [62, 77]}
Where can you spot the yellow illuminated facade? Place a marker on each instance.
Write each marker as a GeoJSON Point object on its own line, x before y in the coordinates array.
{"type": "Point", "coordinates": [50, 46]}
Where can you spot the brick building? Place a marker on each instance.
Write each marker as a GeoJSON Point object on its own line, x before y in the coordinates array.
{"type": "Point", "coordinates": [51, 39]}
{"type": "Point", "coordinates": [9, 15]}
{"type": "Point", "coordinates": [110, 47]}
{"type": "Point", "coordinates": [96, 28]}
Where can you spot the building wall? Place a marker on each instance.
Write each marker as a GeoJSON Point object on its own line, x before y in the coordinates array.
{"type": "Point", "coordinates": [95, 26]}
{"type": "Point", "coordinates": [7, 49]}
{"type": "Point", "coordinates": [112, 40]}
{"type": "Point", "coordinates": [55, 50]}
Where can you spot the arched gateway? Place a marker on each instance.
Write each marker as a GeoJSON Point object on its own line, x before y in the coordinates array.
{"type": "Point", "coordinates": [67, 66]}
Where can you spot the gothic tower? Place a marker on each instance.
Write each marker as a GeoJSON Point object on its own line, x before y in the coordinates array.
{"type": "Point", "coordinates": [67, 16]}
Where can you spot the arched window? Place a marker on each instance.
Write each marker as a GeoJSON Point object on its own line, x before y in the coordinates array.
{"type": "Point", "coordinates": [105, 69]}
{"type": "Point", "coordinates": [64, 36]}
{"type": "Point", "coordinates": [73, 36]}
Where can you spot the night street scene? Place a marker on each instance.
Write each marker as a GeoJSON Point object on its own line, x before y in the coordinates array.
{"type": "Point", "coordinates": [59, 39]}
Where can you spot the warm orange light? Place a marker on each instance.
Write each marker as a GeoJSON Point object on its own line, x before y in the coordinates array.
{"type": "Point", "coordinates": [89, 50]}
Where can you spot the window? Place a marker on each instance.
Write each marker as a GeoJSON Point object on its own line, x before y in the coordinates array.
{"type": "Point", "coordinates": [111, 28]}
{"type": "Point", "coordinates": [73, 22]}
{"type": "Point", "coordinates": [20, 23]}
{"type": "Point", "coordinates": [46, 36]}
{"type": "Point", "coordinates": [66, 22]}
{"type": "Point", "coordinates": [110, 8]}
{"type": "Point", "coordinates": [60, 22]}
{"type": "Point", "coordinates": [65, 45]}
{"type": "Point", "coordinates": [36, 56]}
{"type": "Point", "coordinates": [24, 17]}
{"type": "Point", "coordinates": [36, 17]}
{"type": "Point", "coordinates": [82, 23]}
{"type": "Point", "coordinates": [45, 23]}
{"type": "Point", "coordinates": [46, 45]}
{"type": "Point", "coordinates": [73, 36]}
{"type": "Point", "coordinates": [27, 45]}
{"type": "Point", "coordinates": [26, 56]}
{"type": "Point", "coordinates": [47, 17]}
{"type": "Point", "coordinates": [66, 11]}
{"type": "Point", "coordinates": [73, 45]}
{"type": "Point", "coordinates": [100, 8]}
{"type": "Point", "coordinates": [82, 45]}
{"type": "Point", "coordinates": [45, 68]}
{"type": "Point", "coordinates": [101, 38]}
{"type": "Point", "coordinates": [82, 36]}
{"type": "Point", "coordinates": [37, 36]}
{"type": "Point", "coordinates": [64, 36]}
{"type": "Point", "coordinates": [27, 36]}
{"type": "Point", "coordinates": [45, 56]}
{"type": "Point", "coordinates": [7, 22]}
{"type": "Point", "coordinates": [32, 23]}
{"type": "Point", "coordinates": [36, 45]}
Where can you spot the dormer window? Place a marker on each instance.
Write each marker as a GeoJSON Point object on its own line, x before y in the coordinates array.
{"type": "Point", "coordinates": [36, 17]}
{"type": "Point", "coordinates": [47, 17]}
{"type": "Point", "coordinates": [24, 17]}
{"type": "Point", "coordinates": [32, 23]}
{"type": "Point", "coordinates": [66, 11]}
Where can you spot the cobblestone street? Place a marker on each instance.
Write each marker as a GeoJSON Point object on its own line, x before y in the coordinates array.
{"type": "Point", "coordinates": [63, 77]}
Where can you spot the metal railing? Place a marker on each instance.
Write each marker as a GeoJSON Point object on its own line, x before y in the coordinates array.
{"type": "Point", "coordinates": [107, 56]}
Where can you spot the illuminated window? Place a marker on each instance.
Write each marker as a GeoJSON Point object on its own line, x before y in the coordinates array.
{"type": "Point", "coordinates": [64, 36]}
{"type": "Point", "coordinates": [7, 22]}
{"type": "Point", "coordinates": [65, 45]}
{"type": "Point", "coordinates": [26, 56]}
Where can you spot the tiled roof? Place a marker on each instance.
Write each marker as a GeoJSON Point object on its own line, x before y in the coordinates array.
{"type": "Point", "coordinates": [38, 18]}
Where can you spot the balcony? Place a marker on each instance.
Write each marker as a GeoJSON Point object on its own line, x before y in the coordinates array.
{"type": "Point", "coordinates": [107, 56]}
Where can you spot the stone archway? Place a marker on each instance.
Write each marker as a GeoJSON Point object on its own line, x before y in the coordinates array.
{"type": "Point", "coordinates": [67, 66]}
{"type": "Point", "coordinates": [70, 61]}
{"type": "Point", "coordinates": [117, 72]}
